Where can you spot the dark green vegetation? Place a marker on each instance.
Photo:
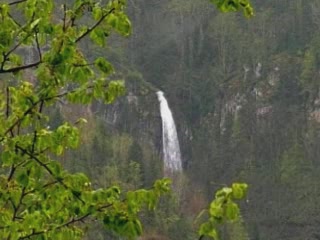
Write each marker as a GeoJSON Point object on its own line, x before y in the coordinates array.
{"type": "Point", "coordinates": [52, 58]}
{"type": "Point", "coordinates": [237, 122]}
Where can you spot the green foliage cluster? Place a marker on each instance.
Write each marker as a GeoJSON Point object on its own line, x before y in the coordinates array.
{"type": "Point", "coordinates": [223, 209]}
{"type": "Point", "coordinates": [234, 5]}
{"type": "Point", "coordinates": [38, 197]}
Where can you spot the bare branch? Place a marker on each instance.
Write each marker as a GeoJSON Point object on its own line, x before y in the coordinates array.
{"type": "Point", "coordinates": [17, 2]}
{"type": "Point", "coordinates": [8, 102]}
{"type": "Point", "coordinates": [34, 141]}
{"type": "Point", "coordinates": [64, 17]}
{"type": "Point", "coordinates": [15, 213]}
{"type": "Point", "coordinates": [12, 170]}
{"type": "Point", "coordinates": [13, 19]}
{"type": "Point", "coordinates": [38, 47]}
{"type": "Point", "coordinates": [16, 69]}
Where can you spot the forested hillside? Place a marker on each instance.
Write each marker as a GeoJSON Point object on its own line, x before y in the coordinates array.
{"type": "Point", "coordinates": [245, 97]}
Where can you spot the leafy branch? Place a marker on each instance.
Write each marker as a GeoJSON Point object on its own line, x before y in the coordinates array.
{"type": "Point", "coordinates": [89, 30]}
{"type": "Point", "coordinates": [222, 209]}
{"type": "Point", "coordinates": [60, 180]}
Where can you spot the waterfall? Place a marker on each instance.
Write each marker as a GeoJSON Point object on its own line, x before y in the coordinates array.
{"type": "Point", "coordinates": [171, 149]}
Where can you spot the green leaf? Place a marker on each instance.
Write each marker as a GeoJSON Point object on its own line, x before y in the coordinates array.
{"type": "Point", "coordinates": [234, 5]}
{"type": "Point", "coordinates": [23, 179]}
{"type": "Point", "coordinates": [239, 190]}
{"type": "Point", "coordinates": [35, 23]}
{"type": "Point", "coordinates": [5, 38]}
{"type": "Point", "coordinates": [6, 158]}
{"type": "Point", "coordinates": [97, 13]}
{"type": "Point", "coordinates": [98, 36]}
{"type": "Point", "coordinates": [231, 211]}
{"type": "Point", "coordinates": [224, 192]}
{"type": "Point", "coordinates": [124, 25]}
{"type": "Point", "coordinates": [103, 65]}
{"type": "Point", "coordinates": [55, 167]}
{"type": "Point", "coordinates": [115, 89]}
{"type": "Point", "coordinates": [216, 209]}
{"type": "Point", "coordinates": [120, 22]}
{"type": "Point", "coordinates": [207, 229]}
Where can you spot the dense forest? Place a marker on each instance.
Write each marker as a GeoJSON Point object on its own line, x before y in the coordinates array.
{"type": "Point", "coordinates": [245, 99]}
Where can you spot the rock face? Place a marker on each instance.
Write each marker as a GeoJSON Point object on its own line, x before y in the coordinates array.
{"type": "Point", "coordinates": [138, 117]}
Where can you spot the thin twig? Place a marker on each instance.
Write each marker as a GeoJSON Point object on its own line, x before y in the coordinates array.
{"type": "Point", "coordinates": [12, 170]}
{"type": "Point", "coordinates": [38, 47]}
{"type": "Point", "coordinates": [64, 17]}
{"type": "Point", "coordinates": [29, 110]}
{"type": "Point", "coordinates": [8, 102]}
{"type": "Point", "coordinates": [34, 141]}
{"type": "Point", "coordinates": [43, 187]}
{"type": "Point", "coordinates": [83, 65]}
{"type": "Point", "coordinates": [41, 101]}
{"type": "Point", "coordinates": [14, 48]}
{"type": "Point", "coordinates": [70, 222]}
{"type": "Point", "coordinates": [16, 69]}
{"type": "Point", "coordinates": [15, 213]}
{"type": "Point", "coordinates": [89, 30]}
{"type": "Point", "coordinates": [13, 19]}
{"type": "Point", "coordinates": [17, 2]}
{"type": "Point", "coordinates": [32, 156]}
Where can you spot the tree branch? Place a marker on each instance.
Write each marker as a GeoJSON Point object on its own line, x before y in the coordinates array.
{"type": "Point", "coordinates": [17, 2]}
{"type": "Point", "coordinates": [13, 19]}
{"type": "Point", "coordinates": [34, 141]}
{"type": "Point", "coordinates": [64, 17]}
{"type": "Point", "coordinates": [16, 69]}
{"type": "Point", "coordinates": [8, 102]}
{"type": "Point", "coordinates": [32, 156]}
{"type": "Point", "coordinates": [8, 107]}
{"type": "Point", "coordinates": [43, 187]}
{"type": "Point", "coordinates": [6, 55]}
{"type": "Point", "coordinates": [28, 111]}
{"type": "Point", "coordinates": [24, 151]}
{"type": "Point", "coordinates": [38, 47]}
{"type": "Point", "coordinates": [70, 222]}
{"type": "Point", "coordinates": [12, 170]}
{"type": "Point", "coordinates": [15, 213]}
{"type": "Point", "coordinates": [89, 30]}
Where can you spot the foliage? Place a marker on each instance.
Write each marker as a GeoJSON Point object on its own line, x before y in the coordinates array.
{"type": "Point", "coordinates": [222, 209]}
{"type": "Point", "coordinates": [234, 5]}
{"type": "Point", "coordinates": [39, 198]}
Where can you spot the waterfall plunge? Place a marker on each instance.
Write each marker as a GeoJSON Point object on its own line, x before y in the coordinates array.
{"type": "Point", "coordinates": [171, 149]}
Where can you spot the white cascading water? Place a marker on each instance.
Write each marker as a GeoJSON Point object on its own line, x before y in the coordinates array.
{"type": "Point", "coordinates": [171, 148]}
